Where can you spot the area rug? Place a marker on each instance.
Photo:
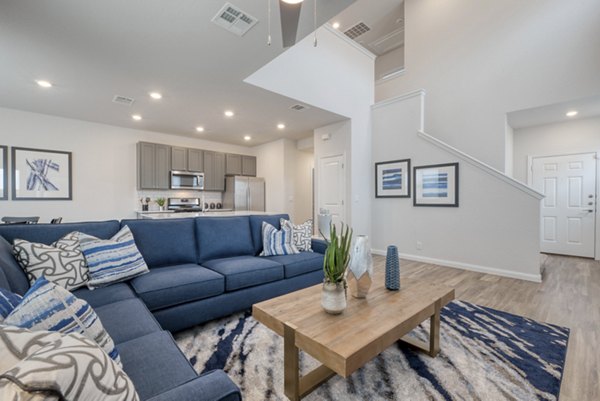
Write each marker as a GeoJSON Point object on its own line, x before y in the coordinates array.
{"type": "Point", "coordinates": [486, 355]}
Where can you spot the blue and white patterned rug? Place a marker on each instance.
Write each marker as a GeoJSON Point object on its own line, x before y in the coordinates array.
{"type": "Point", "coordinates": [486, 355]}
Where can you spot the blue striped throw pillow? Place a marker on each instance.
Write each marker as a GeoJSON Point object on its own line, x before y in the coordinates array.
{"type": "Point", "coordinates": [49, 307]}
{"type": "Point", "coordinates": [8, 302]}
{"type": "Point", "coordinates": [277, 242]}
{"type": "Point", "coordinates": [111, 261]}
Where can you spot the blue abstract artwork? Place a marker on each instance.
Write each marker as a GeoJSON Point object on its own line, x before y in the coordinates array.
{"type": "Point", "coordinates": [392, 178]}
{"type": "Point", "coordinates": [38, 174]}
{"type": "Point", "coordinates": [435, 185]}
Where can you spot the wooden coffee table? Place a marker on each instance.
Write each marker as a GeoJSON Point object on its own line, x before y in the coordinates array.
{"type": "Point", "coordinates": [346, 342]}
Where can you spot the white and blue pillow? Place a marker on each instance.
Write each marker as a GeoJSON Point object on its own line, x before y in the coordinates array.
{"type": "Point", "coordinates": [277, 242]}
{"type": "Point", "coordinates": [47, 306]}
{"type": "Point", "coordinates": [301, 233]}
{"type": "Point", "coordinates": [8, 302]}
{"type": "Point", "coordinates": [112, 261]}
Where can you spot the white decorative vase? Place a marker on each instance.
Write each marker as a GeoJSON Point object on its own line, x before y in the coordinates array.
{"type": "Point", "coordinates": [360, 269]}
{"type": "Point", "coordinates": [333, 298]}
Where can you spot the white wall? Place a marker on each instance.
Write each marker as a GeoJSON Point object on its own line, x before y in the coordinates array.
{"type": "Point", "coordinates": [478, 60]}
{"type": "Point", "coordinates": [303, 186]}
{"type": "Point", "coordinates": [495, 229]}
{"type": "Point", "coordinates": [104, 163]}
{"type": "Point", "coordinates": [270, 166]}
{"type": "Point", "coordinates": [576, 136]}
{"type": "Point", "coordinates": [389, 62]}
{"type": "Point", "coordinates": [337, 76]}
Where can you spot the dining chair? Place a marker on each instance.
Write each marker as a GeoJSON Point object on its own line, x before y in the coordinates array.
{"type": "Point", "coordinates": [56, 220]}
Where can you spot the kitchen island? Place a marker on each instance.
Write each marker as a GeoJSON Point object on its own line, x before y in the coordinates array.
{"type": "Point", "coordinates": [171, 215]}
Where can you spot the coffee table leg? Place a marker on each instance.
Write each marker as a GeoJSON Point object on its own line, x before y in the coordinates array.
{"type": "Point", "coordinates": [291, 366]}
{"type": "Point", "coordinates": [434, 330]}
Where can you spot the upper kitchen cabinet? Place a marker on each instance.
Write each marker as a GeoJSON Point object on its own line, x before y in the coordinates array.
{"type": "Point", "coordinates": [184, 159]}
{"type": "Point", "coordinates": [233, 164]}
{"type": "Point", "coordinates": [249, 166]}
{"type": "Point", "coordinates": [214, 171]}
{"type": "Point", "coordinates": [154, 165]}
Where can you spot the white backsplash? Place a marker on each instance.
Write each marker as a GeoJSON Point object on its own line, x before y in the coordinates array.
{"type": "Point", "coordinates": [206, 196]}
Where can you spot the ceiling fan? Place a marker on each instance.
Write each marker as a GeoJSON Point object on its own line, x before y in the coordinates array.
{"type": "Point", "coordinates": [289, 11]}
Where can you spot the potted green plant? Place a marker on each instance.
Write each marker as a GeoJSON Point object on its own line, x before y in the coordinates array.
{"type": "Point", "coordinates": [335, 263]}
{"type": "Point", "coordinates": [161, 203]}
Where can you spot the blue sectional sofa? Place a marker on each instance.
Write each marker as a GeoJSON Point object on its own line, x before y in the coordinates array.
{"type": "Point", "coordinates": [200, 269]}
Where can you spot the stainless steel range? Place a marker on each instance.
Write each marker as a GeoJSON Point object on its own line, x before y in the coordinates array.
{"type": "Point", "coordinates": [184, 205]}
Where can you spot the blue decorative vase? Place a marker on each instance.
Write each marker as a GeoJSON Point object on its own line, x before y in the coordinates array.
{"type": "Point", "coordinates": [392, 269]}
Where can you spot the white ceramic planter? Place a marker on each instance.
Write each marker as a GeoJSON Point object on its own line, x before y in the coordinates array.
{"type": "Point", "coordinates": [333, 298]}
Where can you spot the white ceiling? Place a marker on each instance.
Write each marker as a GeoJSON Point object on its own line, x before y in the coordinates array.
{"type": "Point", "coordinates": [555, 113]}
{"type": "Point", "coordinates": [386, 21]}
{"type": "Point", "coordinates": [94, 50]}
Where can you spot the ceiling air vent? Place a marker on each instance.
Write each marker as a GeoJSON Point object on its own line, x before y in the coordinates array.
{"type": "Point", "coordinates": [299, 107]}
{"type": "Point", "coordinates": [357, 30]}
{"type": "Point", "coordinates": [234, 20]}
{"type": "Point", "coordinates": [124, 100]}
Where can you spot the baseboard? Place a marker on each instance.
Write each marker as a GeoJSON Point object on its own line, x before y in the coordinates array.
{"type": "Point", "coordinates": [537, 278]}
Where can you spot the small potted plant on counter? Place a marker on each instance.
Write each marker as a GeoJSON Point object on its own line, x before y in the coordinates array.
{"type": "Point", "coordinates": [161, 203]}
{"type": "Point", "coordinates": [335, 263]}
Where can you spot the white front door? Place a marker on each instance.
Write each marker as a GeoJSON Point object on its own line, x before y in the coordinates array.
{"type": "Point", "coordinates": [332, 187]}
{"type": "Point", "coordinates": [569, 208]}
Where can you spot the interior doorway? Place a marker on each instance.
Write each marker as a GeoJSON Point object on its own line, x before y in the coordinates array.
{"type": "Point", "coordinates": [568, 211]}
{"type": "Point", "coordinates": [332, 187]}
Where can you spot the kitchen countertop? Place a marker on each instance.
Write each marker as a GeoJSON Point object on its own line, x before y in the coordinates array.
{"type": "Point", "coordinates": [167, 215]}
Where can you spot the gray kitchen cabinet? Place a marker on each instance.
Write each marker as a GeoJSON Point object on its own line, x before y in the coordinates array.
{"type": "Point", "coordinates": [233, 164]}
{"type": "Point", "coordinates": [214, 171]}
{"type": "Point", "coordinates": [179, 159]}
{"type": "Point", "coordinates": [195, 160]}
{"type": "Point", "coordinates": [249, 166]}
{"type": "Point", "coordinates": [154, 165]}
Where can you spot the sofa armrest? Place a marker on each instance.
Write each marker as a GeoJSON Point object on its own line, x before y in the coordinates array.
{"type": "Point", "coordinates": [319, 245]}
{"type": "Point", "coordinates": [212, 386]}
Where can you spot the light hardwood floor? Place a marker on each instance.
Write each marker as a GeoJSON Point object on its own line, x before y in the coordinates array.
{"type": "Point", "coordinates": [569, 296]}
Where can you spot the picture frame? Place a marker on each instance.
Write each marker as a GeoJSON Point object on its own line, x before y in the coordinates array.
{"type": "Point", "coordinates": [3, 172]}
{"type": "Point", "coordinates": [436, 185]}
{"type": "Point", "coordinates": [41, 174]}
{"type": "Point", "coordinates": [392, 179]}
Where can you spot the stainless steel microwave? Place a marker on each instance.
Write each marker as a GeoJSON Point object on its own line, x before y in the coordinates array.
{"type": "Point", "coordinates": [187, 180]}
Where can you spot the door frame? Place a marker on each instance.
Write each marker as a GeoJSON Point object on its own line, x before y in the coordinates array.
{"type": "Point", "coordinates": [317, 193]}
{"type": "Point", "coordinates": [596, 219]}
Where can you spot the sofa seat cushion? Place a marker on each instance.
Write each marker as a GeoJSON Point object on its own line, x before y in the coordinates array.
{"type": "Point", "coordinates": [246, 271]}
{"type": "Point", "coordinates": [126, 320]}
{"type": "Point", "coordinates": [165, 242]}
{"type": "Point", "coordinates": [105, 295]}
{"type": "Point", "coordinates": [155, 364]}
{"type": "Point", "coordinates": [174, 285]}
{"type": "Point", "coordinates": [300, 263]}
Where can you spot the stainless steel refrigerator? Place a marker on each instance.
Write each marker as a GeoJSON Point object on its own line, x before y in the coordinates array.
{"type": "Point", "coordinates": [244, 193]}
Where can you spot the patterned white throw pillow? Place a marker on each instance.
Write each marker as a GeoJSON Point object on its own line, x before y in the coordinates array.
{"type": "Point", "coordinates": [277, 242]}
{"type": "Point", "coordinates": [113, 260]}
{"type": "Point", "coordinates": [45, 365]}
{"type": "Point", "coordinates": [47, 306]}
{"type": "Point", "coordinates": [62, 262]}
{"type": "Point", "coordinates": [302, 234]}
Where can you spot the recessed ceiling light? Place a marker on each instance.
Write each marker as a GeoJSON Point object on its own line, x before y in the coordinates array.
{"type": "Point", "coordinates": [44, 84]}
{"type": "Point", "coordinates": [292, 1]}
{"type": "Point", "coordinates": [155, 95]}
{"type": "Point", "coordinates": [572, 113]}
{"type": "Point", "coordinates": [229, 113]}
{"type": "Point", "coordinates": [136, 117]}
{"type": "Point", "coordinates": [281, 126]}
{"type": "Point", "coordinates": [200, 129]}
{"type": "Point", "coordinates": [336, 25]}
{"type": "Point", "coordinates": [247, 138]}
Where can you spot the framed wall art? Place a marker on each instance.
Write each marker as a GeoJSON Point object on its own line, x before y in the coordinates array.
{"type": "Point", "coordinates": [392, 179]}
{"type": "Point", "coordinates": [436, 185]}
{"type": "Point", "coordinates": [39, 174]}
{"type": "Point", "coordinates": [3, 172]}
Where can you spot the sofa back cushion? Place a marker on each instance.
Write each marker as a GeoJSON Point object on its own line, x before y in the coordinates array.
{"type": "Point", "coordinates": [165, 242]}
{"type": "Point", "coordinates": [49, 233]}
{"type": "Point", "coordinates": [222, 237]}
{"type": "Point", "coordinates": [256, 227]}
